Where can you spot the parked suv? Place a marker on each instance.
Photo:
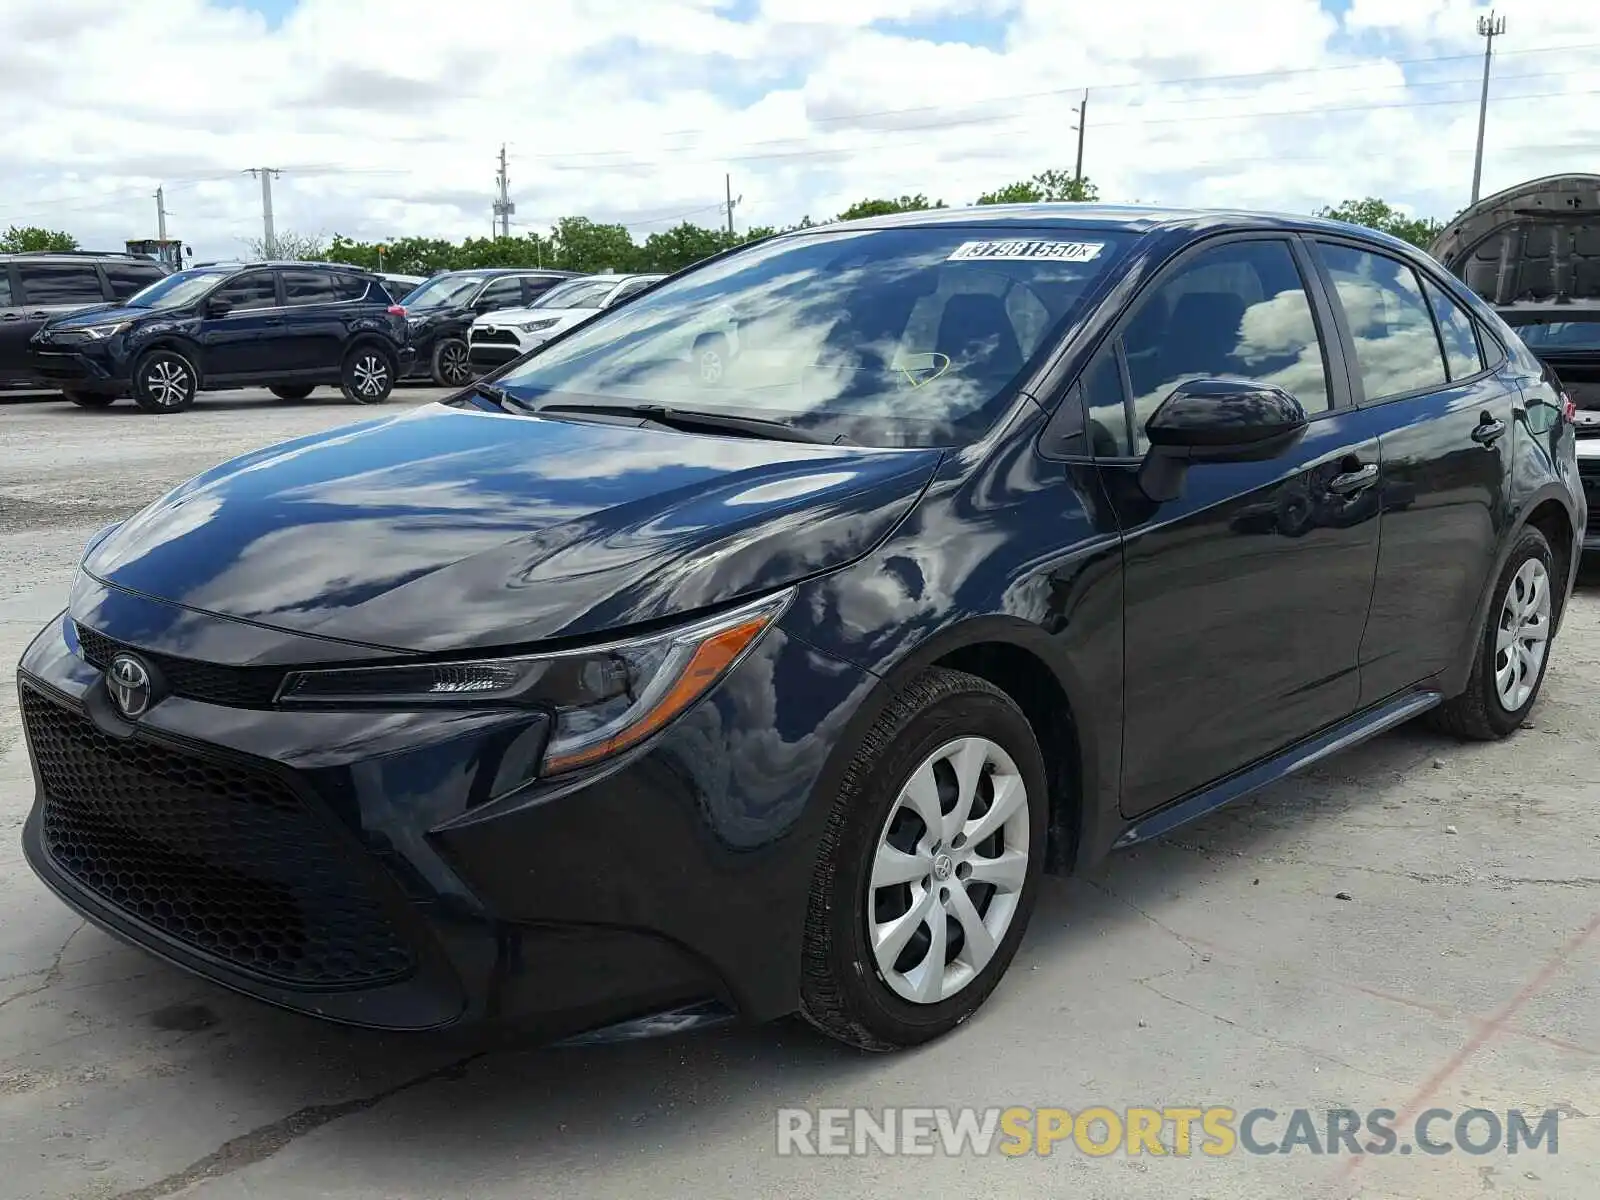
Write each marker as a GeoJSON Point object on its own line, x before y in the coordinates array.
{"type": "Point", "coordinates": [36, 287]}
{"type": "Point", "coordinates": [288, 326]}
{"type": "Point", "coordinates": [439, 313]}
{"type": "Point", "coordinates": [499, 337]}
{"type": "Point", "coordinates": [1011, 536]}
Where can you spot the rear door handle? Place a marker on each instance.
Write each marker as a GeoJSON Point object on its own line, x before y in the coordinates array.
{"type": "Point", "coordinates": [1351, 482]}
{"type": "Point", "coordinates": [1488, 431]}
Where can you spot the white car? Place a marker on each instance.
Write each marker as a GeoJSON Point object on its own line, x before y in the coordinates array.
{"type": "Point", "coordinates": [496, 338]}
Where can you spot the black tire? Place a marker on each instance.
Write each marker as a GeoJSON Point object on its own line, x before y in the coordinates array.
{"type": "Point", "coordinates": [711, 353]}
{"type": "Point", "coordinates": [842, 991]}
{"type": "Point", "coordinates": [91, 399]}
{"type": "Point", "coordinates": [1479, 713]}
{"type": "Point", "coordinates": [164, 381]}
{"type": "Point", "coordinates": [451, 365]}
{"type": "Point", "coordinates": [292, 391]}
{"type": "Point", "coordinates": [367, 375]}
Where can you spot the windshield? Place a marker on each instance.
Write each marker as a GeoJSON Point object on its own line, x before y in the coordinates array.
{"type": "Point", "coordinates": [580, 293]}
{"type": "Point", "coordinates": [889, 337]}
{"type": "Point", "coordinates": [446, 289]}
{"type": "Point", "coordinates": [176, 290]}
{"type": "Point", "coordinates": [1541, 333]}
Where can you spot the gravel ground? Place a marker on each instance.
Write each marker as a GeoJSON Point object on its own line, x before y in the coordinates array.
{"type": "Point", "coordinates": [1411, 925]}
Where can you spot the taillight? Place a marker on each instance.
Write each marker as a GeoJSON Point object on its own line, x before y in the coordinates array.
{"type": "Point", "coordinates": [1569, 410]}
{"type": "Point", "coordinates": [397, 310]}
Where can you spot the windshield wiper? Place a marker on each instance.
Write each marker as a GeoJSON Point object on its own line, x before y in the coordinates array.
{"type": "Point", "coordinates": [500, 396]}
{"type": "Point", "coordinates": [691, 419]}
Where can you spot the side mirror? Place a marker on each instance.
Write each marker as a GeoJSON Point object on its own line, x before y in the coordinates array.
{"type": "Point", "coordinates": [1216, 420]}
{"type": "Point", "coordinates": [218, 307]}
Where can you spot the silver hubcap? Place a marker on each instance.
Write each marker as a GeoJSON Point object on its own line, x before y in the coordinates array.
{"type": "Point", "coordinates": [453, 363]}
{"type": "Point", "coordinates": [370, 375]}
{"type": "Point", "coordinates": [167, 382]}
{"type": "Point", "coordinates": [1523, 635]}
{"type": "Point", "coordinates": [710, 366]}
{"type": "Point", "coordinates": [948, 871]}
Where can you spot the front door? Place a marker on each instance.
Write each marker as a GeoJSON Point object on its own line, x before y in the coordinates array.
{"type": "Point", "coordinates": [1246, 596]}
{"type": "Point", "coordinates": [248, 339]}
{"type": "Point", "coordinates": [1449, 427]}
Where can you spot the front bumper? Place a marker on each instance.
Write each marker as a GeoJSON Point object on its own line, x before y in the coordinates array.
{"type": "Point", "coordinates": [407, 870]}
{"type": "Point", "coordinates": [488, 355]}
{"type": "Point", "coordinates": [78, 365]}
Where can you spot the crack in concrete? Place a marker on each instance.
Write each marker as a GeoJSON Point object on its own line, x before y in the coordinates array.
{"type": "Point", "coordinates": [1156, 921]}
{"type": "Point", "coordinates": [52, 973]}
{"type": "Point", "coordinates": [266, 1140]}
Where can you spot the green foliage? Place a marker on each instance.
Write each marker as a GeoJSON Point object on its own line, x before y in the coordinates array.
{"type": "Point", "coordinates": [20, 239]}
{"type": "Point", "coordinates": [881, 208]}
{"type": "Point", "coordinates": [1376, 214]}
{"type": "Point", "coordinates": [1052, 185]}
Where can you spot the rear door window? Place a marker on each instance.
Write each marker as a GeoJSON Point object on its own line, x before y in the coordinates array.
{"type": "Point", "coordinates": [1456, 330]}
{"type": "Point", "coordinates": [127, 278]}
{"type": "Point", "coordinates": [1397, 348]}
{"type": "Point", "coordinates": [60, 283]}
{"type": "Point", "coordinates": [534, 286]}
{"type": "Point", "coordinates": [501, 293]}
{"type": "Point", "coordinates": [309, 287]}
{"type": "Point", "coordinates": [6, 300]}
{"type": "Point", "coordinates": [1239, 309]}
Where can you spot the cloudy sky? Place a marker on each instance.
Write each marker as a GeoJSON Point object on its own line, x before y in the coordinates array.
{"type": "Point", "coordinates": [385, 116]}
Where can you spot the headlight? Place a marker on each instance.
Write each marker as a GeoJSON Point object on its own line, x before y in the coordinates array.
{"type": "Point", "coordinates": [535, 326]}
{"type": "Point", "coordinates": [604, 698]}
{"type": "Point", "coordinates": [104, 331]}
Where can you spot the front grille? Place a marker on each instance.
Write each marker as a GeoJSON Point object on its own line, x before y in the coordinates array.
{"type": "Point", "coordinates": [237, 687]}
{"type": "Point", "coordinates": [226, 859]}
{"type": "Point", "coordinates": [498, 337]}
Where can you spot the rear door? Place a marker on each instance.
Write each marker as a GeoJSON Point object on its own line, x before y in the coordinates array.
{"type": "Point", "coordinates": [16, 327]}
{"type": "Point", "coordinates": [1447, 435]}
{"type": "Point", "coordinates": [318, 306]}
{"type": "Point", "coordinates": [1246, 596]}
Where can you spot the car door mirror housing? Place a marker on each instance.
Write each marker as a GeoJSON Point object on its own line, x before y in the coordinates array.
{"type": "Point", "coordinates": [1216, 420]}
{"type": "Point", "coordinates": [218, 307]}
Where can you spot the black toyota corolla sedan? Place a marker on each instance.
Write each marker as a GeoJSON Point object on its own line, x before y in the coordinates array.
{"type": "Point", "coordinates": [604, 690]}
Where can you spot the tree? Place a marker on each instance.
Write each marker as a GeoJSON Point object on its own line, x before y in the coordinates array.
{"type": "Point", "coordinates": [1051, 185]}
{"type": "Point", "coordinates": [19, 239]}
{"type": "Point", "coordinates": [881, 208]}
{"type": "Point", "coordinates": [684, 244]}
{"type": "Point", "coordinates": [1379, 215]}
{"type": "Point", "coordinates": [298, 247]}
{"type": "Point", "coordinates": [584, 245]}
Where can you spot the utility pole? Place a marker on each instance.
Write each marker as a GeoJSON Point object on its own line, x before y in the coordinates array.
{"type": "Point", "coordinates": [1489, 28]}
{"type": "Point", "coordinates": [269, 242]}
{"type": "Point", "coordinates": [727, 187]}
{"type": "Point", "coordinates": [1083, 113]}
{"type": "Point", "coordinates": [503, 208]}
{"type": "Point", "coordinates": [161, 217]}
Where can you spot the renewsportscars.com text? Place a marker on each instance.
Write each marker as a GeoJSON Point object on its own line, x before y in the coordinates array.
{"type": "Point", "coordinates": [1214, 1131]}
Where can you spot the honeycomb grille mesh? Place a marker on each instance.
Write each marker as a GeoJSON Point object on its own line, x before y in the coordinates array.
{"type": "Point", "coordinates": [236, 687]}
{"type": "Point", "coordinates": [225, 859]}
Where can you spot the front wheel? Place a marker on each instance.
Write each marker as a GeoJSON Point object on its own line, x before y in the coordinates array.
{"type": "Point", "coordinates": [1513, 649]}
{"type": "Point", "coordinates": [452, 364]}
{"type": "Point", "coordinates": [292, 391]}
{"type": "Point", "coordinates": [367, 376]}
{"type": "Point", "coordinates": [928, 868]}
{"type": "Point", "coordinates": [164, 382]}
{"type": "Point", "coordinates": [91, 399]}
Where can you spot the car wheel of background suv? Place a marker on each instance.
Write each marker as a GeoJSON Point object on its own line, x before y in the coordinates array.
{"type": "Point", "coordinates": [928, 867]}
{"type": "Point", "coordinates": [711, 352]}
{"type": "Point", "coordinates": [297, 391]}
{"type": "Point", "coordinates": [91, 399]}
{"type": "Point", "coordinates": [1513, 650]}
{"type": "Point", "coordinates": [367, 376]}
{"type": "Point", "coordinates": [164, 381]}
{"type": "Point", "coordinates": [452, 364]}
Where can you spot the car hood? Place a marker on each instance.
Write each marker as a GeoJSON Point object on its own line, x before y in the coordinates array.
{"type": "Point", "coordinates": [95, 314]}
{"type": "Point", "coordinates": [516, 316]}
{"type": "Point", "coordinates": [1537, 241]}
{"type": "Point", "coordinates": [448, 529]}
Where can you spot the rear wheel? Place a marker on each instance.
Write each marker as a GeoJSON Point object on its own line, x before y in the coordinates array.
{"type": "Point", "coordinates": [292, 391]}
{"type": "Point", "coordinates": [367, 376]}
{"type": "Point", "coordinates": [452, 365]}
{"type": "Point", "coordinates": [91, 399]}
{"type": "Point", "coordinates": [928, 867]}
{"type": "Point", "coordinates": [1513, 649]}
{"type": "Point", "coordinates": [164, 381]}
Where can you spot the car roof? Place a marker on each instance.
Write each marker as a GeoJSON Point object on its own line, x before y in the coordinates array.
{"type": "Point", "coordinates": [551, 271]}
{"type": "Point", "coordinates": [78, 256]}
{"type": "Point", "coordinates": [1130, 218]}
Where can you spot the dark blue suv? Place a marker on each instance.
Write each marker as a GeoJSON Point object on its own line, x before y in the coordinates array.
{"type": "Point", "coordinates": [288, 326]}
{"type": "Point", "coordinates": [1008, 536]}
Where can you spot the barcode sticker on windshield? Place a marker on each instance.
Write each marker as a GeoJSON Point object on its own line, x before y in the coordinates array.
{"type": "Point", "coordinates": [1028, 249]}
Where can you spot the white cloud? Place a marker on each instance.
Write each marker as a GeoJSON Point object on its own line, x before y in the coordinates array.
{"type": "Point", "coordinates": [386, 114]}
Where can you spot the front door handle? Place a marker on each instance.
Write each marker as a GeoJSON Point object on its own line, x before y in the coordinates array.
{"type": "Point", "coordinates": [1350, 483]}
{"type": "Point", "coordinates": [1488, 430]}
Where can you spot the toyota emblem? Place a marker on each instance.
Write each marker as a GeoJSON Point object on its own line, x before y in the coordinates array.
{"type": "Point", "coordinates": [128, 681]}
